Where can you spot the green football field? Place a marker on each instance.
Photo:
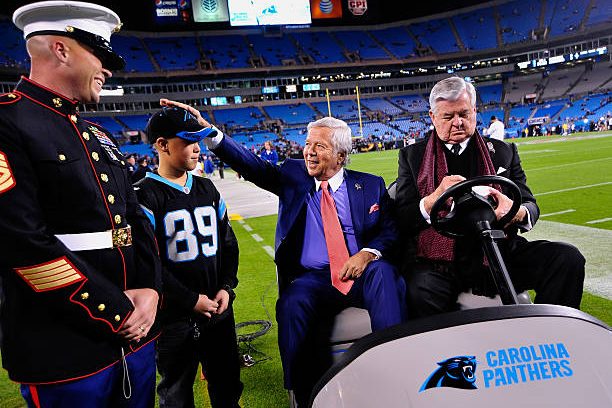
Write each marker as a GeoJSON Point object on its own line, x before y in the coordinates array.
{"type": "Point", "coordinates": [571, 178]}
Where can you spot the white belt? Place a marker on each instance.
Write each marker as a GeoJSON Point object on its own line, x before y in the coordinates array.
{"type": "Point", "coordinates": [88, 241]}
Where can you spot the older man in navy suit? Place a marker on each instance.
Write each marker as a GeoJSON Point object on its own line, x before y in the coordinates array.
{"type": "Point", "coordinates": [360, 204]}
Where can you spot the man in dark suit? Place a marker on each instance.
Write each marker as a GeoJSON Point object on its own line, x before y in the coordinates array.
{"type": "Point", "coordinates": [302, 247]}
{"type": "Point", "coordinates": [439, 268]}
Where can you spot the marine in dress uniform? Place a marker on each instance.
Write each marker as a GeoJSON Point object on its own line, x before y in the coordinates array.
{"type": "Point", "coordinates": [73, 237]}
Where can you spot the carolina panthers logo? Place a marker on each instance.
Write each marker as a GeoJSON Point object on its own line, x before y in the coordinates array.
{"type": "Point", "coordinates": [455, 372]}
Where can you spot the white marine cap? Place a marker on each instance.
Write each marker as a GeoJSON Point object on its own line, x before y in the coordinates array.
{"type": "Point", "coordinates": [88, 23]}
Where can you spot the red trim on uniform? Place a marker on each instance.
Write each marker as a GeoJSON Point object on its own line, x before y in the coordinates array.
{"type": "Point", "coordinates": [13, 100]}
{"type": "Point", "coordinates": [124, 268]}
{"type": "Point", "coordinates": [34, 394]}
{"type": "Point", "coordinates": [74, 378]}
{"type": "Point", "coordinates": [94, 317]}
{"type": "Point", "coordinates": [41, 104]}
{"type": "Point", "coordinates": [137, 346]}
{"type": "Point", "coordinates": [74, 268]}
{"type": "Point", "coordinates": [129, 351]}
{"type": "Point", "coordinates": [74, 101]}
{"type": "Point", "coordinates": [93, 123]}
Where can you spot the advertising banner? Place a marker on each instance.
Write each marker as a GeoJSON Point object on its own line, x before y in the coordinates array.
{"type": "Point", "coordinates": [210, 11]}
{"type": "Point", "coordinates": [326, 9]}
{"type": "Point", "coordinates": [358, 7]}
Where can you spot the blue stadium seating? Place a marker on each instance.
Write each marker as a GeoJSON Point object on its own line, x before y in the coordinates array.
{"type": "Point", "coordinates": [107, 123]}
{"type": "Point", "coordinates": [226, 51]}
{"type": "Point", "coordinates": [477, 29]}
{"type": "Point", "coordinates": [134, 53]}
{"type": "Point", "coordinates": [134, 122]}
{"type": "Point", "coordinates": [12, 52]}
{"type": "Point", "coordinates": [254, 139]}
{"type": "Point", "coordinates": [490, 93]}
{"type": "Point", "coordinates": [601, 13]}
{"type": "Point", "coordinates": [436, 34]}
{"type": "Point", "coordinates": [291, 114]}
{"type": "Point", "coordinates": [518, 19]}
{"type": "Point", "coordinates": [550, 109]}
{"type": "Point", "coordinates": [141, 149]}
{"type": "Point", "coordinates": [377, 130]}
{"type": "Point", "coordinates": [320, 46]}
{"type": "Point", "coordinates": [397, 41]}
{"type": "Point", "coordinates": [484, 117]}
{"type": "Point", "coordinates": [380, 104]}
{"type": "Point", "coordinates": [362, 43]}
{"type": "Point", "coordinates": [176, 53]}
{"type": "Point", "coordinates": [564, 16]}
{"type": "Point", "coordinates": [518, 117]}
{"type": "Point", "coordinates": [339, 109]}
{"type": "Point", "coordinates": [239, 117]}
{"type": "Point", "coordinates": [296, 135]}
{"type": "Point", "coordinates": [274, 49]}
{"type": "Point", "coordinates": [411, 103]}
{"type": "Point", "coordinates": [409, 126]}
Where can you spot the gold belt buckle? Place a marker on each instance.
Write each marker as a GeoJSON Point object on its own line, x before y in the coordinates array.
{"type": "Point", "coordinates": [122, 237]}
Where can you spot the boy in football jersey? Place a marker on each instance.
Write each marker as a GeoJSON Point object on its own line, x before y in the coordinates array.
{"type": "Point", "coordinates": [199, 253]}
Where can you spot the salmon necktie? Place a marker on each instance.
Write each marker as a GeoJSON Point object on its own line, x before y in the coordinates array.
{"type": "Point", "coordinates": [334, 238]}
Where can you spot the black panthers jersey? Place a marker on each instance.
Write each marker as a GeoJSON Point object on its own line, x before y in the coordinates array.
{"type": "Point", "coordinates": [196, 243]}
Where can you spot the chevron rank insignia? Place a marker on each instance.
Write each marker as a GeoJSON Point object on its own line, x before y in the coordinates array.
{"type": "Point", "coordinates": [50, 275]}
{"type": "Point", "coordinates": [7, 181]}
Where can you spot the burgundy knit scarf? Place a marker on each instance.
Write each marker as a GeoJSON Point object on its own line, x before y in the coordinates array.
{"type": "Point", "coordinates": [431, 245]}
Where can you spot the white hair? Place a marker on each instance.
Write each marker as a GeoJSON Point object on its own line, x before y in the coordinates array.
{"type": "Point", "coordinates": [340, 137]}
{"type": "Point", "coordinates": [450, 89]}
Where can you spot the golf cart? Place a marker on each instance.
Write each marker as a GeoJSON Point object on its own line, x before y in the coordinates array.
{"type": "Point", "coordinates": [507, 355]}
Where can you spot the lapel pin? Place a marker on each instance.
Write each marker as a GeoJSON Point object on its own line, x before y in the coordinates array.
{"type": "Point", "coordinates": [490, 146]}
{"type": "Point", "coordinates": [358, 186]}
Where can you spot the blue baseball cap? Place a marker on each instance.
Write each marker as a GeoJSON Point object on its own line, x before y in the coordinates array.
{"type": "Point", "coordinates": [172, 121]}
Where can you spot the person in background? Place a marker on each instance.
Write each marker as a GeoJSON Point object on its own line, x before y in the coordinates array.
{"type": "Point", "coordinates": [198, 169]}
{"type": "Point", "coordinates": [79, 266]}
{"type": "Point", "coordinates": [200, 262]}
{"type": "Point", "coordinates": [142, 169]}
{"type": "Point", "coordinates": [221, 166]}
{"type": "Point", "coordinates": [496, 129]}
{"type": "Point", "coordinates": [269, 154]}
{"type": "Point", "coordinates": [209, 166]}
{"type": "Point", "coordinates": [130, 159]}
{"type": "Point", "coordinates": [438, 268]}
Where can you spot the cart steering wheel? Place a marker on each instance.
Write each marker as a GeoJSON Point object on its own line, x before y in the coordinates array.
{"type": "Point", "coordinates": [471, 209]}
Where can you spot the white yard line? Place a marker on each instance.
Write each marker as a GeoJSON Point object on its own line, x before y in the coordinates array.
{"type": "Point", "coordinates": [257, 238]}
{"type": "Point", "coordinates": [557, 213]}
{"type": "Point", "coordinates": [605, 183]}
{"type": "Point", "coordinates": [269, 250]}
{"type": "Point", "coordinates": [600, 220]}
{"type": "Point", "coordinates": [559, 166]}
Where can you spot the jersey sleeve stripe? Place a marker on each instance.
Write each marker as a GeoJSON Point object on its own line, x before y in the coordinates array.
{"type": "Point", "coordinates": [222, 209]}
{"type": "Point", "coordinates": [149, 215]}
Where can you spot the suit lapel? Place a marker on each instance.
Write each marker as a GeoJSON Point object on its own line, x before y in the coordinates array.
{"type": "Point", "coordinates": [355, 190]}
